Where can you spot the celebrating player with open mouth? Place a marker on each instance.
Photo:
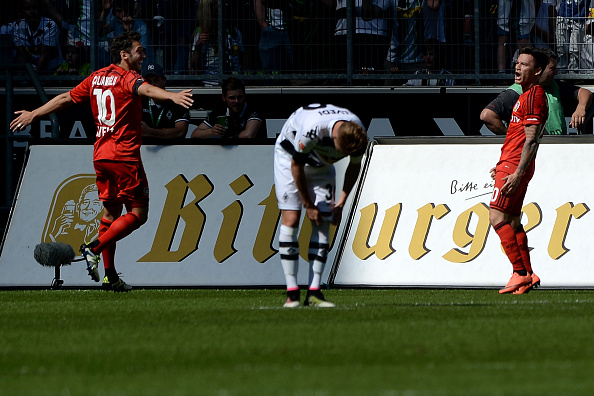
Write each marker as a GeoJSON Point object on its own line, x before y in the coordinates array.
{"type": "Point", "coordinates": [516, 168]}
{"type": "Point", "coordinates": [115, 96]}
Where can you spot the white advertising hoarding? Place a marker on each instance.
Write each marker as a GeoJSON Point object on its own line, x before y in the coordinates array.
{"type": "Point", "coordinates": [422, 216]}
{"type": "Point", "coordinates": [213, 218]}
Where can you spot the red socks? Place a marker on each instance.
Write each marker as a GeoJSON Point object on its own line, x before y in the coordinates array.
{"type": "Point", "coordinates": [509, 242]}
{"type": "Point", "coordinates": [108, 252]}
{"type": "Point", "coordinates": [522, 241]}
{"type": "Point", "coordinates": [120, 228]}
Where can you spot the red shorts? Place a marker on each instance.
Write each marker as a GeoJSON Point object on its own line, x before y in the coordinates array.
{"type": "Point", "coordinates": [510, 204]}
{"type": "Point", "coordinates": [122, 182]}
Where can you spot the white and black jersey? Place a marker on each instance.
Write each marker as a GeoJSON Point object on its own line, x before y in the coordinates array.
{"type": "Point", "coordinates": [306, 137]}
{"type": "Point", "coordinates": [307, 134]}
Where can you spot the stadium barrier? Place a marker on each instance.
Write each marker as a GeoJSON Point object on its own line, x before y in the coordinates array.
{"type": "Point", "coordinates": [419, 217]}
{"type": "Point", "coordinates": [422, 216]}
{"type": "Point", "coordinates": [212, 220]}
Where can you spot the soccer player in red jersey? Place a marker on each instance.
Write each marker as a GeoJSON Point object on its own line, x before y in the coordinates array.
{"type": "Point", "coordinates": [115, 94]}
{"type": "Point", "coordinates": [516, 167]}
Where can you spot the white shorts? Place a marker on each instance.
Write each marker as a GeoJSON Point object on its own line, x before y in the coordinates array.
{"type": "Point", "coordinates": [321, 183]}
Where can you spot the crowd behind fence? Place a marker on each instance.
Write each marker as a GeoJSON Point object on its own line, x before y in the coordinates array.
{"type": "Point", "coordinates": [299, 42]}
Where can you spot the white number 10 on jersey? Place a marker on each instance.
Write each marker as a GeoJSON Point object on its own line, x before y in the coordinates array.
{"type": "Point", "coordinates": [102, 106]}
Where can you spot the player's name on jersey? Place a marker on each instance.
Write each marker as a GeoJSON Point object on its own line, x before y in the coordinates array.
{"type": "Point", "coordinates": [332, 111]}
{"type": "Point", "coordinates": [105, 80]}
{"type": "Point", "coordinates": [103, 130]}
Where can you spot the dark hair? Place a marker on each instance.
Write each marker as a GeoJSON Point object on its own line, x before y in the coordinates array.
{"type": "Point", "coordinates": [550, 53]}
{"type": "Point", "coordinates": [231, 84]}
{"type": "Point", "coordinates": [429, 45]}
{"type": "Point", "coordinates": [541, 58]}
{"type": "Point", "coordinates": [123, 42]}
{"type": "Point", "coordinates": [127, 5]}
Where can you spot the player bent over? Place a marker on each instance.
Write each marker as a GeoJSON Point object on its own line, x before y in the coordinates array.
{"type": "Point", "coordinates": [310, 142]}
{"type": "Point", "coordinates": [115, 96]}
{"type": "Point", "coordinates": [516, 168]}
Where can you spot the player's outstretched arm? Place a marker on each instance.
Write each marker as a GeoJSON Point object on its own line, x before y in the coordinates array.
{"type": "Point", "coordinates": [25, 117]}
{"type": "Point", "coordinates": [182, 98]}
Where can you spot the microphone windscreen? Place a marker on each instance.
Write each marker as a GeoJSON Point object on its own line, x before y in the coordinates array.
{"type": "Point", "coordinates": [53, 254]}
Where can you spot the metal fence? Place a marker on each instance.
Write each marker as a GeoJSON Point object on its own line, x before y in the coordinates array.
{"type": "Point", "coordinates": [299, 42]}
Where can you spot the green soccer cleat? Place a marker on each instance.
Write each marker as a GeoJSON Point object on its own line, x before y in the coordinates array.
{"type": "Point", "coordinates": [315, 298]}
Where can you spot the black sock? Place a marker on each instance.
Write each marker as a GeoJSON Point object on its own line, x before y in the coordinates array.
{"type": "Point", "coordinates": [112, 275]}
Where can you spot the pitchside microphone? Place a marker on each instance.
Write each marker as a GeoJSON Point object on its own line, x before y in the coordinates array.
{"type": "Point", "coordinates": [53, 254]}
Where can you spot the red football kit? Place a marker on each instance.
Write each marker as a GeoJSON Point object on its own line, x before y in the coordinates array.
{"type": "Point", "coordinates": [531, 109]}
{"type": "Point", "coordinates": [117, 111]}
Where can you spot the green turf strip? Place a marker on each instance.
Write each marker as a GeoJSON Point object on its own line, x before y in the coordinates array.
{"type": "Point", "coordinates": [242, 342]}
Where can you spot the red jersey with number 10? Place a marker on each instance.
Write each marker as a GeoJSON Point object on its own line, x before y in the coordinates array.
{"type": "Point", "coordinates": [532, 108]}
{"type": "Point", "coordinates": [117, 111]}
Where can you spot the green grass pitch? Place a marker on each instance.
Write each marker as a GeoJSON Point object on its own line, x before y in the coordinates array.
{"type": "Point", "coordinates": [242, 342]}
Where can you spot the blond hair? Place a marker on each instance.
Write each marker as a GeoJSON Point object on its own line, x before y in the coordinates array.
{"type": "Point", "coordinates": [352, 138]}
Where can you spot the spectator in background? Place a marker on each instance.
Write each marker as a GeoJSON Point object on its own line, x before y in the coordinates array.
{"type": "Point", "coordinates": [433, 20]}
{"type": "Point", "coordinates": [432, 66]}
{"type": "Point", "coordinates": [204, 54]}
{"type": "Point", "coordinates": [245, 21]}
{"type": "Point", "coordinates": [233, 117]}
{"type": "Point", "coordinates": [587, 56]}
{"type": "Point", "coordinates": [408, 52]}
{"type": "Point", "coordinates": [434, 28]}
{"type": "Point", "coordinates": [121, 19]}
{"type": "Point", "coordinates": [275, 50]}
{"type": "Point", "coordinates": [374, 21]}
{"type": "Point", "coordinates": [37, 39]}
{"type": "Point", "coordinates": [172, 26]}
{"type": "Point", "coordinates": [514, 17]}
{"type": "Point", "coordinates": [77, 25]}
{"type": "Point", "coordinates": [497, 114]}
{"type": "Point", "coordinates": [162, 119]}
{"type": "Point", "coordinates": [74, 63]}
{"type": "Point", "coordinates": [8, 24]}
{"type": "Point", "coordinates": [310, 31]}
{"type": "Point", "coordinates": [570, 33]}
{"type": "Point", "coordinates": [8, 29]}
{"type": "Point", "coordinates": [458, 20]}
{"type": "Point", "coordinates": [543, 32]}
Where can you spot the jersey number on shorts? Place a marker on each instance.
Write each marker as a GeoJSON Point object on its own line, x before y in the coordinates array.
{"type": "Point", "coordinates": [102, 102]}
{"type": "Point", "coordinates": [495, 194]}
